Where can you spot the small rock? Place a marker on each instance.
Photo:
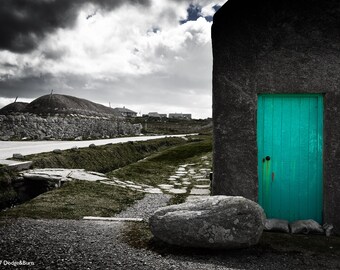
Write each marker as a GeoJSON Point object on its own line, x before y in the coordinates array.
{"type": "Point", "coordinates": [57, 151]}
{"type": "Point", "coordinates": [276, 225]}
{"type": "Point", "coordinates": [18, 156]}
{"type": "Point", "coordinates": [306, 227]}
{"type": "Point", "coordinates": [328, 228]}
{"type": "Point", "coordinates": [92, 145]}
{"type": "Point", "coordinates": [5, 138]}
{"type": "Point", "coordinates": [80, 138]}
{"type": "Point", "coordinates": [212, 222]}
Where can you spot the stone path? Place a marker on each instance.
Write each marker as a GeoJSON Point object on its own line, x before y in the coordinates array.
{"type": "Point", "coordinates": [192, 179]}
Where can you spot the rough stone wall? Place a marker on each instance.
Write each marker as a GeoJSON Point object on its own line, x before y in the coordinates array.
{"type": "Point", "coordinates": [273, 47]}
{"type": "Point", "coordinates": [30, 126]}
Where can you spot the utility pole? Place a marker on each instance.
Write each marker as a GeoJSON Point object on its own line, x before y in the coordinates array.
{"type": "Point", "coordinates": [49, 100]}
{"type": "Point", "coordinates": [16, 99]}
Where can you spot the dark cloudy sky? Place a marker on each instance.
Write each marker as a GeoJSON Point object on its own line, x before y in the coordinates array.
{"type": "Point", "coordinates": [147, 55]}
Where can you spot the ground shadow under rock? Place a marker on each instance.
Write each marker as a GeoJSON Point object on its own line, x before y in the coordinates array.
{"type": "Point", "coordinates": [283, 250]}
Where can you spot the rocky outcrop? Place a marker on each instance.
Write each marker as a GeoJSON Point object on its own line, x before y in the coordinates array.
{"type": "Point", "coordinates": [30, 126]}
{"type": "Point", "coordinates": [213, 222]}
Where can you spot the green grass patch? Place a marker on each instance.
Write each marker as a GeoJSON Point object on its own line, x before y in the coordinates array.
{"type": "Point", "coordinates": [137, 234]}
{"type": "Point", "coordinates": [75, 200]}
{"type": "Point", "coordinates": [103, 158]}
{"type": "Point", "coordinates": [7, 193]}
{"type": "Point", "coordinates": [156, 168]}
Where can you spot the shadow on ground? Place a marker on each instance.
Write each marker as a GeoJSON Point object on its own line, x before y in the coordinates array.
{"type": "Point", "coordinates": [301, 251]}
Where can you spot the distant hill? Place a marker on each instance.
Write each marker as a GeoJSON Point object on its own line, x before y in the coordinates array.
{"type": "Point", "coordinates": [59, 104]}
{"type": "Point", "coordinates": [13, 107]}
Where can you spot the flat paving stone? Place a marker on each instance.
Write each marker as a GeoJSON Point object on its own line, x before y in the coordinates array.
{"type": "Point", "coordinates": [186, 183]}
{"type": "Point", "coordinates": [191, 198]}
{"type": "Point", "coordinates": [178, 191]}
{"type": "Point", "coordinates": [202, 186]}
{"type": "Point", "coordinates": [165, 186]}
{"type": "Point", "coordinates": [198, 176]}
{"type": "Point", "coordinates": [113, 184]}
{"type": "Point", "coordinates": [146, 186]}
{"type": "Point", "coordinates": [120, 182]}
{"type": "Point", "coordinates": [202, 180]}
{"type": "Point", "coordinates": [134, 186]}
{"type": "Point", "coordinates": [153, 190]}
{"type": "Point", "coordinates": [181, 169]}
{"type": "Point", "coordinates": [130, 182]}
{"type": "Point", "coordinates": [62, 174]}
{"type": "Point", "coordinates": [199, 191]}
{"type": "Point", "coordinates": [17, 165]}
{"type": "Point", "coordinates": [86, 176]}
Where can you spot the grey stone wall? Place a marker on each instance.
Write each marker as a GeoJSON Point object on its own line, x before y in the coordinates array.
{"type": "Point", "coordinates": [29, 126]}
{"type": "Point", "coordinates": [273, 47]}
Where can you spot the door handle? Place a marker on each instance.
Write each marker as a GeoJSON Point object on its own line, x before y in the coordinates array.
{"type": "Point", "coordinates": [266, 158]}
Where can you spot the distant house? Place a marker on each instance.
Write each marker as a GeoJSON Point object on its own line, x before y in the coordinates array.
{"type": "Point", "coordinates": [125, 112]}
{"type": "Point", "coordinates": [156, 115]}
{"type": "Point", "coordinates": [186, 116]}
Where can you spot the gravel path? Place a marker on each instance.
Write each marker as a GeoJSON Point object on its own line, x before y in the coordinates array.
{"type": "Point", "coordinates": [146, 207]}
{"type": "Point", "coordinates": [79, 244]}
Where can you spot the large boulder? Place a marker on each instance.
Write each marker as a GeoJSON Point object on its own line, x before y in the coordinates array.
{"type": "Point", "coordinates": [211, 222]}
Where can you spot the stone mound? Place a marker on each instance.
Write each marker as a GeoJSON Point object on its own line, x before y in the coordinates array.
{"type": "Point", "coordinates": [13, 108]}
{"type": "Point", "coordinates": [66, 104]}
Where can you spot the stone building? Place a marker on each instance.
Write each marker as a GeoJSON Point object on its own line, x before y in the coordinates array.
{"type": "Point", "coordinates": [156, 115]}
{"type": "Point", "coordinates": [276, 106]}
{"type": "Point", "coordinates": [125, 112]}
{"type": "Point", "coordinates": [186, 116]}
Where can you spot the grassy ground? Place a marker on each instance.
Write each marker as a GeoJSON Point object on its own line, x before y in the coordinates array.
{"type": "Point", "coordinates": [7, 193]}
{"type": "Point", "coordinates": [156, 168]}
{"type": "Point", "coordinates": [77, 199]}
{"type": "Point", "coordinates": [103, 158]}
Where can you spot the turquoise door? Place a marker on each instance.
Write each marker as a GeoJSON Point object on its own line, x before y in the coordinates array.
{"type": "Point", "coordinates": [290, 138]}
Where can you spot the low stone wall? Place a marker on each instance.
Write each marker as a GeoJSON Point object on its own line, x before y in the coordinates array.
{"type": "Point", "coordinates": [29, 126]}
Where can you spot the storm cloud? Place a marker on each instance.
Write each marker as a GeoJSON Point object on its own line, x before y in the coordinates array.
{"type": "Point", "coordinates": [148, 55]}
{"type": "Point", "coordinates": [24, 23]}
